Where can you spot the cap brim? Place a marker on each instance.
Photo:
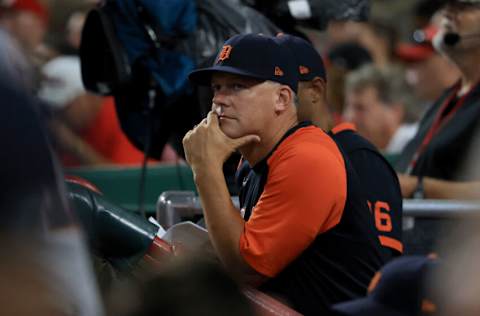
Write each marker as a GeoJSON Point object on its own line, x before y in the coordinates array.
{"type": "Point", "coordinates": [364, 307]}
{"type": "Point", "coordinates": [203, 76]}
{"type": "Point", "coordinates": [414, 53]}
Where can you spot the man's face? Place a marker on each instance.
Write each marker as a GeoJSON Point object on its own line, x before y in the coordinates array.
{"type": "Point", "coordinates": [244, 105]}
{"type": "Point", "coordinates": [463, 19]}
{"type": "Point", "coordinates": [305, 108]}
{"type": "Point", "coordinates": [365, 109]}
{"type": "Point", "coordinates": [429, 77]}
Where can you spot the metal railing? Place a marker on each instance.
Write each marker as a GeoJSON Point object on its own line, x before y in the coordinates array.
{"type": "Point", "coordinates": [173, 206]}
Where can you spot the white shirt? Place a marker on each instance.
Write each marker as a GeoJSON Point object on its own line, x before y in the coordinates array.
{"type": "Point", "coordinates": [400, 138]}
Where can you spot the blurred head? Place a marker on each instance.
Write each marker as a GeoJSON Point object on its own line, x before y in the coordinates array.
{"type": "Point", "coordinates": [254, 83]}
{"type": "Point", "coordinates": [459, 18]}
{"type": "Point", "coordinates": [26, 20]}
{"type": "Point", "coordinates": [428, 72]}
{"type": "Point", "coordinates": [341, 60]}
{"type": "Point", "coordinates": [182, 288]}
{"type": "Point", "coordinates": [378, 101]}
{"type": "Point", "coordinates": [401, 288]}
{"type": "Point", "coordinates": [376, 36]}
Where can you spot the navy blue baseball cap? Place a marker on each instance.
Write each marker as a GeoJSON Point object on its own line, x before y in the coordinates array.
{"type": "Point", "coordinates": [252, 55]}
{"type": "Point", "coordinates": [309, 62]}
{"type": "Point", "coordinates": [400, 288]}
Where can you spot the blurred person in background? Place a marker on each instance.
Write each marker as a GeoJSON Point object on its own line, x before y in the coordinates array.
{"type": "Point", "coordinates": [423, 11]}
{"type": "Point", "coordinates": [377, 37]}
{"type": "Point", "coordinates": [340, 60]}
{"type": "Point", "coordinates": [23, 25]}
{"type": "Point", "coordinates": [85, 126]}
{"type": "Point", "coordinates": [379, 103]}
{"type": "Point", "coordinates": [433, 163]}
{"type": "Point", "coordinates": [428, 72]}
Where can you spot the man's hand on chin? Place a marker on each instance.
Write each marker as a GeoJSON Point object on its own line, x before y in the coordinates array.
{"type": "Point", "coordinates": [207, 146]}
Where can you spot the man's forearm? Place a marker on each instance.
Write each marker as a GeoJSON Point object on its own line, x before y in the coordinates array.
{"type": "Point", "coordinates": [224, 223]}
{"type": "Point", "coordinates": [441, 189]}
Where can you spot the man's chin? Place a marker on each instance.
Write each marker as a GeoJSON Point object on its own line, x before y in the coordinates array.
{"type": "Point", "coordinates": [230, 133]}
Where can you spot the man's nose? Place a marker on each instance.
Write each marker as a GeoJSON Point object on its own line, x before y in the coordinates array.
{"type": "Point", "coordinates": [219, 98]}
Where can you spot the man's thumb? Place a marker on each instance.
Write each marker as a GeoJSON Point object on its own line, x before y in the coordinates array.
{"type": "Point", "coordinates": [239, 142]}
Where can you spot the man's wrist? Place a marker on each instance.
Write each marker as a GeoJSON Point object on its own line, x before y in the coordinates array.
{"type": "Point", "coordinates": [419, 191]}
{"type": "Point", "coordinates": [209, 171]}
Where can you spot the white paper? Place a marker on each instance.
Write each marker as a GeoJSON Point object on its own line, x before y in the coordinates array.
{"type": "Point", "coordinates": [161, 231]}
{"type": "Point", "coordinates": [190, 237]}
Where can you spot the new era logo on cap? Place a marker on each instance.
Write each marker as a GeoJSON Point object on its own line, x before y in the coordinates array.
{"type": "Point", "coordinates": [303, 70]}
{"type": "Point", "coordinates": [252, 55]}
{"type": "Point", "coordinates": [278, 71]}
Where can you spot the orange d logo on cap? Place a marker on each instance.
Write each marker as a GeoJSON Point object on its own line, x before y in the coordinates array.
{"type": "Point", "coordinates": [225, 53]}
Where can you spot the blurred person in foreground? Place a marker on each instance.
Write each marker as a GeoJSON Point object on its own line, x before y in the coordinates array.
{"type": "Point", "coordinates": [433, 163]}
{"type": "Point", "coordinates": [36, 221]}
{"type": "Point", "coordinates": [182, 287]}
{"type": "Point", "coordinates": [380, 103]}
{"type": "Point", "coordinates": [457, 284]}
{"type": "Point", "coordinates": [303, 207]}
{"type": "Point", "coordinates": [403, 287]}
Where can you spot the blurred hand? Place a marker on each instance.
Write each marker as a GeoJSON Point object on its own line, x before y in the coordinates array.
{"type": "Point", "coordinates": [408, 184]}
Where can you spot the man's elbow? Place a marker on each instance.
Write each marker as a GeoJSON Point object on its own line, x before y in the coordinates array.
{"type": "Point", "coordinates": [246, 275]}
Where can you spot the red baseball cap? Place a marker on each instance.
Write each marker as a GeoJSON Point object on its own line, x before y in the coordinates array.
{"type": "Point", "coordinates": [33, 6]}
{"type": "Point", "coordinates": [420, 48]}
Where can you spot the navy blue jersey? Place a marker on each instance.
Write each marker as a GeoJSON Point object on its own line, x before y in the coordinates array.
{"type": "Point", "coordinates": [380, 185]}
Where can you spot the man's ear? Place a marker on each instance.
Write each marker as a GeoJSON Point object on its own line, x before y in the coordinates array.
{"type": "Point", "coordinates": [284, 99]}
{"type": "Point", "coordinates": [319, 89]}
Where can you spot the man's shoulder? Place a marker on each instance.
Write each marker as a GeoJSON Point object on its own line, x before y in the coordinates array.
{"type": "Point", "coordinates": [350, 140]}
{"type": "Point", "coordinates": [307, 146]}
{"type": "Point", "coordinates": [308, 140]}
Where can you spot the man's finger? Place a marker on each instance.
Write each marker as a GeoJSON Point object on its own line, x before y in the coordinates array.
{"type": "Point", "coordinates": [212, 118]}
{"type": "Point", "coordinates": [239, 142]}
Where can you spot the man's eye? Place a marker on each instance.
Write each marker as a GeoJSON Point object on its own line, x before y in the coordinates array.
{"type": "Point", "coordinates": [215, 87]}
{"type": "Point", "coordinates": [238, 87]}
